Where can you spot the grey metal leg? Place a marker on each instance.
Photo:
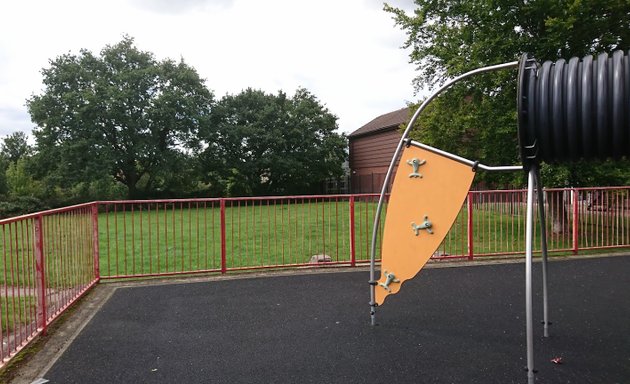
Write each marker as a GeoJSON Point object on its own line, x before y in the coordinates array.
{"type": "Point", "coordinates": [529, 230]}
{"type": "Point", "coordinates": [372, 304]}
{"type": "Point", "coordinates": [543, 241]}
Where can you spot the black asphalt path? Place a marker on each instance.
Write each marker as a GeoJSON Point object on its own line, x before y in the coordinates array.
{"type": "Point", "coordinates": [448, 325]}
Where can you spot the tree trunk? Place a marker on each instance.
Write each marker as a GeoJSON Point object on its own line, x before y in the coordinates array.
{"type": "Point", "coordinates": [131, 180]}
{"type": "Point", "coordinates": [557, 212]}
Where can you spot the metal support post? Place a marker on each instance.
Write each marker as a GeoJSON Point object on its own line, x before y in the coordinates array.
{"type": "Point", "coordinates": [529, 231]}
{"type": "Point", "coordinates": [543, 243]}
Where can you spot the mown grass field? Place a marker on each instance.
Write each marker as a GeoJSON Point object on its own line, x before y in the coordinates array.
{"type": "Point", "coordinates": [183, 238]}
{"type": "Point", "coordinates": [174, 238]}
{"type": "Point", "coordinates": [178, 237]}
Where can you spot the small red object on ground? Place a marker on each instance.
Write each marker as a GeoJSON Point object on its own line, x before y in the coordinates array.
{"type": "Point", "coordinates": [557, 360]}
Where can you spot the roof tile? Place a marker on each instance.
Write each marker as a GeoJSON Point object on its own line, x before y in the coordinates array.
{"type": "Point", "coordinates": [388, 120]}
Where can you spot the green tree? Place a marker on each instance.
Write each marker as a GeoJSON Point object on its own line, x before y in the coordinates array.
{"type": "Point", "coordinates": [478, 118]}
{"type": "Point", "coordinates": [4, 188]}
{"type": "Point", "coordinates": [20, 182]}
{"type": "Point", "coordinates": [15, 146]}
{"type": "Point", "coordinates": [450, 37]}
{"type": "Point", "coordinates": [265, 144]}
{"type": "Point", "coordinates": [121, 114]}
{"type": "Point", "coordinates": [19, 190]}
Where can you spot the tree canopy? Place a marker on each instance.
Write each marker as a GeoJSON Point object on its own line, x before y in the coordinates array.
{"type": "Point", "coordinates": [121, 114]}
{"type": "Point", "coordinates": [449, 37]}
{"type": "Point", "coordinates": [15, 146]}
{"type": "Point", "coordinates": [124, 124]}
{"type": "Point", "coordinates": [265, 144]}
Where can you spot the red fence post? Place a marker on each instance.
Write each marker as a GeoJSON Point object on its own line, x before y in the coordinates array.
{"type": "Point", "coordinates": [469, 207]}
{"type": "Point", "coordinates": [40, 274]}
{"type": "Point", "coordinates": [353, 255]}
{"type": "Point", "coordinates": [223, 231]}
{"type": "Point", "coordinates": [95, 249]}
{"type": "Point", "coordinates": [576, 216]}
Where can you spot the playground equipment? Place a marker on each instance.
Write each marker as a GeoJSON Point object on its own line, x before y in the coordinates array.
{"type": "Point", "coordinates": [567, 111]}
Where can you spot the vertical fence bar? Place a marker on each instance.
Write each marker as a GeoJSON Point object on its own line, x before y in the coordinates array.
{"type": "Point", "coordinates": [470, 228]}
{"type": "Point", "coordinates": [116, 232]}
{"type": "Point", "coordinates": [353, 254]}
{"type": "Point", "coordinates": [336, 226]}
{"type": "Point", "coordinates": [40, 274]}
{"type": "Point", "coordinates": [157, 237]}
{"type": "Point", "coordinates": [205, 234]}
{"type": "Point", "coordinates": [109, 263]}
{"type": "Point", "coordinates": [576, 239]}
{"type": "Point", "coordinates": [11, 303]}
{"type": "Point", "coordinates": [95, 247]}
{"type": "Point", "coordinates": [288, 227]}
{"type": "Point", "coordinates": [31, 282]}
{"type": "Point", "coordinates": [223, 230]}
{"type": "Point", "coordinates": [325, 237]}
{"type": "Point", "coordinates": [132, 215]}
{"type": "Point", "coordinates": [238, 237]}
{"type": "Point", "coordinates": [142, 239]}
{"type": "Point", "coordinates": [245, 261]}
{"type": "Point", "coordinates": [4, 320]}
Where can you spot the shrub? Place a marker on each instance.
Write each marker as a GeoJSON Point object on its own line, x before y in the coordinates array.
{"type": "Point", "coordinates": [20, 206]}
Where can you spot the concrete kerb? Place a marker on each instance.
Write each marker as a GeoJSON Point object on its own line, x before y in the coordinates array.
{"type": "Point", "coordinates": [60, 338]}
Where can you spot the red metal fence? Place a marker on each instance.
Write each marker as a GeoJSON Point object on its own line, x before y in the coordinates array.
{"type": "Point", "coordinates": [50, 259]}
{"type": "Point", "coordinates": [169, 237]}
{"type": "Point", "coordinates": [165, 237]}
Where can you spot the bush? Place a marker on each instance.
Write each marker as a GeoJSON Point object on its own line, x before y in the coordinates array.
{"type": "Point", "coordinates": [20, 206]}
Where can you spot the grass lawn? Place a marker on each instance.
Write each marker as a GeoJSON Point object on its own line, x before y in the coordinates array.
{"type": "Point", "coordinates": [17, 310]}
{"type": "Point", "coordinates": [67, 251]}
{"type": "Point", "coordinates": [177, 237]}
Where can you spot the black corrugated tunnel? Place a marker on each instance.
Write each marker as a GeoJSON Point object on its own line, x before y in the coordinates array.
{"type": "Point", "coordinates": [576, 109]}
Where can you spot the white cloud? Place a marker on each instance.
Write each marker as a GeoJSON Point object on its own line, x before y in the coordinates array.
{"type": "Point", "coordinates": [181, 6]}
{"type": "Point", "coordinates": [347, 52]}
{"type": "Point", "coordinates": [14, 119]}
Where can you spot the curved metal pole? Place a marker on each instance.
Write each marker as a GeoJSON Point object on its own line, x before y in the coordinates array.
{"type": "Point", "coordinates": [543, 243]}
{"type": "Point", "coordinates": [379, 207]}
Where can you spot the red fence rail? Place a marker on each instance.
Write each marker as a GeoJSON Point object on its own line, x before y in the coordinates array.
{"type": "Point", "coordinates": [166, 237]}
{"type": "Point", "coordinates": [49, 259]}
{"type": "Point", "coordinates": [170, 237]}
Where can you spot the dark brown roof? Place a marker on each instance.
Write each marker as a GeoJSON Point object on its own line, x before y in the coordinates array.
{"type": "Point", "coordinates": [387, 121]}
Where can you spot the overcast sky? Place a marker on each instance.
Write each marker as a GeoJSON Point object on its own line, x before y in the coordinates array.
{"type": "Point", "coordinates": [346, 52]}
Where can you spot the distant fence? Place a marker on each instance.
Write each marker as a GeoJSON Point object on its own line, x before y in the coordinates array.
{"type": "Point", "coordinates": [49, 259]}
{"type": "Point", "coordinates": [168, 237]}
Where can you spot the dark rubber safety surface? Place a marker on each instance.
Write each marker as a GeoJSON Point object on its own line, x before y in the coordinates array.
{"type": "Point", "coordinates": [448, 325]}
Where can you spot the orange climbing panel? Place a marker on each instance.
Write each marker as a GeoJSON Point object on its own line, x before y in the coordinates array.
{"type": "Point", "coordinates": [427, 194]}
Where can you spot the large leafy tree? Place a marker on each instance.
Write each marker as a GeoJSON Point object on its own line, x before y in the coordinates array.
{"type": "Point", "coordinates": [121, 114]}
{"type": "Point", "coordinates": [266, 144]}
{"type": "Point", "coordinates": [478, 118]}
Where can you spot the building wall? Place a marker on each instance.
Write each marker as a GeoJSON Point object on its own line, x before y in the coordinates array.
{"type": "Point", "coordinates": [370, 156]}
